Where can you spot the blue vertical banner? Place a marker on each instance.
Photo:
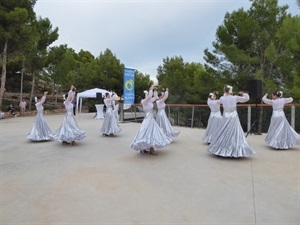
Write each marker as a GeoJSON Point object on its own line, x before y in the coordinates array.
{"type": "Point", "coordinates": [128, 89]}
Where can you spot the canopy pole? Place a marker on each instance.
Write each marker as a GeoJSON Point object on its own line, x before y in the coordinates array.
{"type": "Point", "coordinates": [80, 104]}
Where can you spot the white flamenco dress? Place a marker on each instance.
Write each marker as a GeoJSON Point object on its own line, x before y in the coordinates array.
{"type": "Point", "coordinates": [40, 130]}
{"type": "Point", "coordinates": [162, 119]}
{"type": "Point", "coordinates": [69, 130]}
{"type": "Point", "coordinates": [230, 140]}
{"type": "Point", "coordinates": [110, 124]}
{"type": "Point", "coordinates": [280, 134]}
{"type": "Point", "coordinates": [214, 120]}
{"type": "Point", "coordinates": [149, 134]}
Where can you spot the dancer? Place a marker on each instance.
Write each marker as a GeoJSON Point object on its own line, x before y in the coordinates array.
{"type": "Point", "coordinates": [280, 134]}
{"type": "Point", "coordinates": [214, 119]}
{"type": "Point", "coordinates": [150, 136]}
{"type": "Point", "coordinates": [110, 124]}
{"type": "Point", "coordinates": [161, 116]}
{"type": "Point", "coordinates": [229, 140]}
{"type": "Point", "coordinates": [69, 132]}
{"type": "Point", "coordinates": [40, 130]}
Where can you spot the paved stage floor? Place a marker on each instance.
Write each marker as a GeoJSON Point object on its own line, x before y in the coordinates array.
{"type": "Point", "coordinates": [103, 181]}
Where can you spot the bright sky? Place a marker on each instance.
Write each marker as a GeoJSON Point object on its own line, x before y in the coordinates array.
{"type": "Point", "coordinates": [141, 33]}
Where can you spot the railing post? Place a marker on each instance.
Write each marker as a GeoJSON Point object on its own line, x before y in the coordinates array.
{"type": "Point", "coordinates": [178, 116]}
{"type": "Point", "coordinates": [135, 113]}
{"type": "Point", "coordinates": [293, 117]}
{"type": "Point", "coordinates": [121, 112]}
{"type": "Point", "coordinates": [249, 118]}
{"type": "Point", "coordinates": [192, 123]}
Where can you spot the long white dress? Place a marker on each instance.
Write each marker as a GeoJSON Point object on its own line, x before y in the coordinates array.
{"type": "Point", "coordinates": [110, 124]}
{"type": "Point", "coordinates": [280, 134]}
{"type": "Point", "coordinates": [69, 130]}
{"type": "Point", "coordinates": [230, 140]}
{"type": "Point", "coordinates": [40, 130]}
{"type": "Point", "coordinates": [162, 119]}
{"type": "Point", "coordinates": [149, 134]}
{"type": "Point", "coordinates": [214, 120]}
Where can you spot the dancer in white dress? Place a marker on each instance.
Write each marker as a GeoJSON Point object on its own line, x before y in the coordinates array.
{"type": "Point", "coordinates": [69, 131]}
{"type": "Point", "coordinates": [280, 134]}
{"type": "Point", "coordinates": [110, 124]}
{"type": "Point", "coordinates": [214, 119]}
{"type": "Point", "coordinates": [161, 116]}
{"type": "Point", "coordinates": [230, 140]}
{"type": "Point", "coordinates": [150, 136]}
{"type": "Point", "coordinates": [40, 130]}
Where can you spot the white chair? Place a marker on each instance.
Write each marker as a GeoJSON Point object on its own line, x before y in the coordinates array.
{"type": "Point", "coordinates": [99, 115]}
{"type": "Point", "coordinates": [126, 106]}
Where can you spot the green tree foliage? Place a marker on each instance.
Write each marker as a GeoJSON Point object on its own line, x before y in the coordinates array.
{"type": "Point", "coordinates": [188, 82]}
{"type": "Point", "coordinates": [289, 61]}
{"type": "Point", "coordinates": [260, 43]}
{"type": "Point", "coordinates": [171, 75]}
{"type": "Point", "coordinates": [247, 47]}
{"type": "Point", "coordinates": [199, 83]}
{"type": "Point", "coordinates": [109, 72]}
{"type": "Point", "coordinates": [38, 53]}
{"type": "Point", "coordinates": [85, 70]}
{"type": "Point", "coordinates": [55, 70]}
{"type": "Point", "coordinates": [142, 82]}
{"type": "Point", "coordinates": [62, 67]}
{"type": "Point", "coordinates": [16, 33]}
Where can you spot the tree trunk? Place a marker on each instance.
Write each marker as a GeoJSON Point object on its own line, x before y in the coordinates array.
{"type": "Point", "coordinates": [56, 92]}
{"type": "Point", "coordinates": [32, 90]}
{"type": "Point", "coordinates": [22, 78]}
{"type": "Point", "coordinates": [3, 75]}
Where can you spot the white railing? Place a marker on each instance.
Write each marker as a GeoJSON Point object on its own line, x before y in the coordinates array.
{"type": "Point", "coordinates": [195, 115]}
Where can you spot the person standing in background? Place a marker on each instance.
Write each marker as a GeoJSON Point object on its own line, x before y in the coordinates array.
{"type": "Point", "coordinates": [74, 102]}
{"type": "Point", "coordinates": [22, 105]}
{"type": "Point", "coordinates": [74, 106]}
{"type": "Point", "coordinates": [280, 134]}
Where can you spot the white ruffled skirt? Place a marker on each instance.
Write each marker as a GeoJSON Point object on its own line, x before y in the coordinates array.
{"type": "Point", "coordinates": [69, 130]}
{"type": "Point", "coordinates": [164, 123]}
{"type": "Point", "coordinates": [230, 140]}
{"type": "Point", "coordinates": [150, 135]}
{"type": "Point", "coordinates": [40, 130]}
{"type": "Point", "coordinates": [110, 124]}
{"type": "Point", "coordinates": [213, 124]}
{"type": "Point", "coordinates": [280, 134]}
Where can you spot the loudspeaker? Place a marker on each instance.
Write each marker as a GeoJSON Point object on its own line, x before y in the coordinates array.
{"type": "Point", "coordinates": [99, 96]}
{"type": "Point", "coordinates": [255, 88]}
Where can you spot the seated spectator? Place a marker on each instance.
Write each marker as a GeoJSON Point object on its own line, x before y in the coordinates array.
{"type": "Point", "coordinates": [2, 115]}
{"type": "Point", "coordinates": [11, 109]}
{"type": "Point", "coordinates": [22, 105]}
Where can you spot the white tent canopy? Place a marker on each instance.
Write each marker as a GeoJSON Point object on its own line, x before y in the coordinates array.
{"type": "Point", "coordinates": [92, 93]}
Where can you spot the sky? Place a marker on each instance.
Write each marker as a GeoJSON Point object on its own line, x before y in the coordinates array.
{"type": "Point", "coordinates": [141, 33]}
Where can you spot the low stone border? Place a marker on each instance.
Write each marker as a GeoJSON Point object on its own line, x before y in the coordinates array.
{"type": "Point", "coordinates": [31, 113]}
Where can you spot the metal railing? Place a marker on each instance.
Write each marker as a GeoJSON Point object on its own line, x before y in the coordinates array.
{"type": "Point", "coordinates": [196, 115]}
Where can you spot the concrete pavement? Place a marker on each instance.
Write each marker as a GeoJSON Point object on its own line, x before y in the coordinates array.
{"type": "Point", "coordinates": [103, 181]}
